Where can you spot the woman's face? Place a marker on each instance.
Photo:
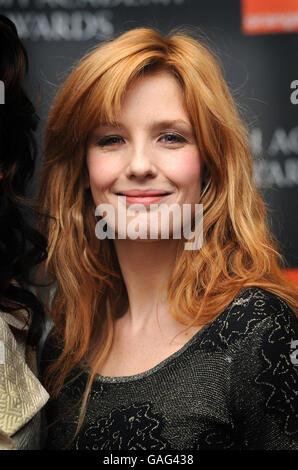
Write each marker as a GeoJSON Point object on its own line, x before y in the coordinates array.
{"type": "Point", "coordinates": [152, 147]}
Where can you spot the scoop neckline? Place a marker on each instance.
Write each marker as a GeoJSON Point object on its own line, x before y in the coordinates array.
{"type": "Point", "coordinates": [129, 378]}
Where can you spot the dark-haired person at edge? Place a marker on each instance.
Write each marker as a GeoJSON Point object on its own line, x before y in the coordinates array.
{"type": "Point", "coordinates": [155, 346]}
{"type": "Point", "coordinates": [22, 248]}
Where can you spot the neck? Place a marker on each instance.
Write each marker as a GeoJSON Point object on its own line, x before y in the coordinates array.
{"type": "Point", "coordinates": [146, 268]}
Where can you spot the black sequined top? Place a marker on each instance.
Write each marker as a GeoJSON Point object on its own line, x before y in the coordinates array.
{"type": "Point", "coordinates": [234, 385]}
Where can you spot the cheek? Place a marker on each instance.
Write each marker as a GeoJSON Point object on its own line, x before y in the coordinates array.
{"type": "Point", "coordinates": [186, 171]}
{"type": "Point", "coordinates": [101, 172]}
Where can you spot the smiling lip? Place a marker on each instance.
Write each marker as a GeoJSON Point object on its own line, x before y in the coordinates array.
{"type": "Point", "coordinates": [142, 196]}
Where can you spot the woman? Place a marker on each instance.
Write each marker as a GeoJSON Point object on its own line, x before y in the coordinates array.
{"type": "Point", "coordinates": [22, 247]}
{"type": "Point", "coordinates": [155, 346]}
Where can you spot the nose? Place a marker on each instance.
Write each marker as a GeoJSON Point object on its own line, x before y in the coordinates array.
{"type": "Point", "coordinates": [140, 163]}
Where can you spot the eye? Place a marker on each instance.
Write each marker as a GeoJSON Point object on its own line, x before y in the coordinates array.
{"type": "Point", "coordinates": [109, 140]}
{"type": "Point", "coordinates": [172, 138]}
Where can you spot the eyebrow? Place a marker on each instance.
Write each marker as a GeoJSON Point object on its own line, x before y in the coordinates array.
{"type": "Point", "coordinates": [154, 125]}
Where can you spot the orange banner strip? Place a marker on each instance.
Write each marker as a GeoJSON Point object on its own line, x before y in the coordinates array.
{"type": "Point", "coordinates": [291, 274]}
{"type": "Point", "coordinates": [269, 16]}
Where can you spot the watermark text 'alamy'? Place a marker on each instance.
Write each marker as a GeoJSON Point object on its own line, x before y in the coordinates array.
{"type": "Point", "coordinates": [191, 225]}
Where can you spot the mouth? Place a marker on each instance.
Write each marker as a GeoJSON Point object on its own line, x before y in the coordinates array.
{"type": "Point", "coordinates": [146, 197]}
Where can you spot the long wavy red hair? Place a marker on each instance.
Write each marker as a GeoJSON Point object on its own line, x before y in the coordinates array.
{"type": "Point", "coordinates": [238, 248]}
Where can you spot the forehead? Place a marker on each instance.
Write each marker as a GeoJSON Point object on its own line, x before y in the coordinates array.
{"type": "Point", "coordinates": [157, 88]}
{"type": "Point", "coordinates": [154, 96]}
{"type": "Point", "coordinates": [151, 97]}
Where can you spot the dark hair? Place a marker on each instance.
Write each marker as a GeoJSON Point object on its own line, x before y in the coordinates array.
{"type": "Point", "coordinates": [22, 247]}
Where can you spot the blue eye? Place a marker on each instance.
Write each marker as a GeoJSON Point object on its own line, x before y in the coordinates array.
{"type": "Point", "coordinates": [115, 139]}
{"type": "Point", "coordinates": [109, 140]}
{"type": "Point", "coordinates": [173, 138]}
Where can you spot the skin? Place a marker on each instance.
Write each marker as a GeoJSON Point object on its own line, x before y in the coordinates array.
{"type": "Point", "coordinates": [145, 151]}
